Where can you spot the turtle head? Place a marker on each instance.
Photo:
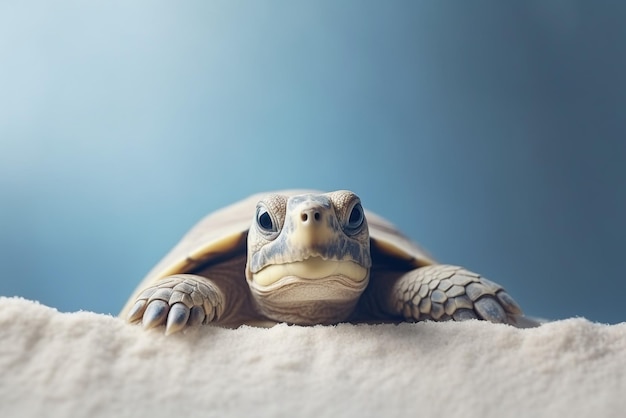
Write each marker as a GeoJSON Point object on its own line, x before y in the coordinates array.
{"type": "Point", "coordinates": [308, 256]}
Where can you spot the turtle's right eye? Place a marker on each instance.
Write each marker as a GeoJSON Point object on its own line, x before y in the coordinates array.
{"type": "Point", "coordinates": [264, 220]}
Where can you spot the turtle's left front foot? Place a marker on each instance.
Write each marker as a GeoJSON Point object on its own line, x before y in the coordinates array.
{"type": "Point", "coordinates": [443, 292]}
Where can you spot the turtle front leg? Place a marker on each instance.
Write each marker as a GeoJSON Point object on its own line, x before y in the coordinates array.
{"type": "Point", "coordinates": [443, 292]}
{"type": "Point", "coordinates": [178, 301]}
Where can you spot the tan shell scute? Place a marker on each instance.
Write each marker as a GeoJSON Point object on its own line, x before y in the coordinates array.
{"type": "Point", "coordinates": [386, 237]}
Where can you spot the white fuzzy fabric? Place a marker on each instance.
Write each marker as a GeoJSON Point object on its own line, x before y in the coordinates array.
{"type": "Point", "coordinates": [85, 364]}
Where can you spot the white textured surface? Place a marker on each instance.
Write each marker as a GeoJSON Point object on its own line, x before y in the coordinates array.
{"type": "Point", "coordinates": [85, 364]}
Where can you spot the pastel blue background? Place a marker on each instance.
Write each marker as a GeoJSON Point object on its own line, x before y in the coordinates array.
{"type": "Point", "coordinates": [492, 132]}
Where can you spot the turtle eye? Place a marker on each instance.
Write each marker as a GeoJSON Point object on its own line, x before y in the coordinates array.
{"type": "Point", "coordinates": [356, 218]}
{"type": "Point", "coordinates": [264, 220]}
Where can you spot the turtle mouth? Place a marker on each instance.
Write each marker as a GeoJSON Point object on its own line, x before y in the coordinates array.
{"type": "Point", "coordinates": [312, 268]}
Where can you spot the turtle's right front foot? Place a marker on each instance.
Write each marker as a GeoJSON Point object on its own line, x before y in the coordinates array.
{"type": "Point", "coordinates": [178, 301]}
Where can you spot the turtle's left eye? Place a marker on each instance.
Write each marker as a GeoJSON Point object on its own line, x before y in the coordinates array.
{"type": "Point", "coordinates": [356, 218]}
{"type": "Point", "coordinates": [264, 220]}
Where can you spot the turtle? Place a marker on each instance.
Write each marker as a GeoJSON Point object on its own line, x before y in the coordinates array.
{"type": "Point", "coordinates": [305, 257]}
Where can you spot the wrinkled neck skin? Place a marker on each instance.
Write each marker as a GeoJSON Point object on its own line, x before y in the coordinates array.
{"type": "Point", "coordinates": [299, 301]}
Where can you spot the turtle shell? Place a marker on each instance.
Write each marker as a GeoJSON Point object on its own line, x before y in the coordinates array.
{"type": "Point", "coordinates": [223, 233]}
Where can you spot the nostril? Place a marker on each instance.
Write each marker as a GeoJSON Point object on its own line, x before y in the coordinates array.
{"type": "Point", "coordinates": [310, 216]}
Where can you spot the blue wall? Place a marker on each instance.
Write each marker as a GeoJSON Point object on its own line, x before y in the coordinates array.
{"type": "Point", "coordinates": [493, 133]}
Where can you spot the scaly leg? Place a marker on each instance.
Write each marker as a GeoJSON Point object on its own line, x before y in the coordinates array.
{"type": "Point", "coordinates": [443, 292]}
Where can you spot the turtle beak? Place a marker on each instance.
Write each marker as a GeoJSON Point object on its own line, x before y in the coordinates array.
{"type": "Point", "coordinates": [313, 227]}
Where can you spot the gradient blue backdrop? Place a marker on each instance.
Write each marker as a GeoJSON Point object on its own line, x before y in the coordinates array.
{"type": "Point", "coordinates": [491, 132]}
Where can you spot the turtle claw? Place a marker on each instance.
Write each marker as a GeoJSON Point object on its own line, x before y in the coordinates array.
{"type": "Point", "coordinates": [177, 318]}
{"type": "Point", "coordinates": [155, 314]}
{"type": "Point", "coordinates": [490, 310]}
{"type": "Point", "coordinates": [136, 312]}
{"type": "Point", "coordinates": [196, 316]}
